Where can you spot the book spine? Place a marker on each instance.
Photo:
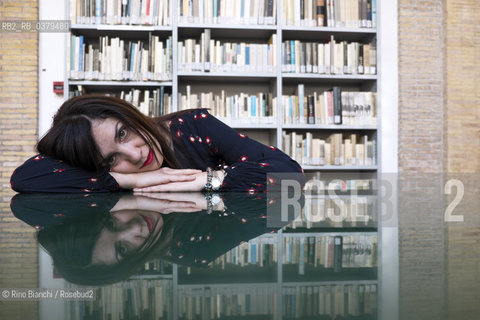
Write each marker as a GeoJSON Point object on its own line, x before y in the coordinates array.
{"type": "Point", "coordinates": [337, 105]}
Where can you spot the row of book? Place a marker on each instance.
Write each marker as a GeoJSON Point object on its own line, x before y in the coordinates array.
{"type": "Point", "coordinates": [331, 107]}
{"type": "Point", "coordinates": [336, 150]}
{"type": "Point", "coordinates": [126, 12]}
{"type": "Point", "coordinates": [116, 59]}
{"type": "Point", "coordinates": [155, 267]}
{"type": "Point", "coordinates": [220, 303]}
{"type": "Point", "coordinates": [134, 299]}
{"type": "Point", "coordinates": [331, 252]}
{"type": "Point", "coordinates": [260, 251]}
{"type": "Point", "coordinates": [209, 55]}
{"type": "Point", "coordinates": [357, 211]}
{"type": "Point", "coordinates": [233, 108]}
{"type": "Point", "coordinates": [315, 185]}
{"type": "Point", "coordinates": [255, 12]}
{"type": "Point", "coordinates": [153, 103]}
{"type": "Point", "coordinates": [329, 13]}
{"type": "Point", "coordinates": [333, 57]}
{"type": "Point", "coordinates": [349, 301]}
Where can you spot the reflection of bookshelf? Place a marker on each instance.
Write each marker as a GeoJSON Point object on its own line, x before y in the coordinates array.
{"type": "Point", "coordinates": [355, 301]}
{"type": "Point", "coordinates": [134, 299]}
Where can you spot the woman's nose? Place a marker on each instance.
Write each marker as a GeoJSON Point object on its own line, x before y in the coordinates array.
{"type": "Point", "coordinates": [132, 153]}
{"type": "Point", "coordinates": [134, 235]}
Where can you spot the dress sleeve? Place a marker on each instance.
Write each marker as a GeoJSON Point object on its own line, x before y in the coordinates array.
{"type": "Point", "coordinates": [249, 164]}
{"type": "Point", "coordinates": [44, 174]}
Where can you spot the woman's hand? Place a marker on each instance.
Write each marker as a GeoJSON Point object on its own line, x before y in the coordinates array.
{"type": "Point", "coordinates": [179, 186]}
{"type": "Point", "coordinates": [161, 202]}
{"type": "Point", "coordinates": [196, 184]}
{"type": "Point", "coordinates": [155, 178]}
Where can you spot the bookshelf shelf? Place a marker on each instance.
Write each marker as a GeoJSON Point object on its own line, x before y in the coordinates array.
{"type": "Point", "coordinates": [323, 33]}
{"type": "Point", "coordinates": [111, 27]}
{"type": "Point", "coordinates": [331, 30]}
{"type": "Point", "coordinates": [214, 26]}
{"type": "Point", "coordinates": [339, 168]}
{"type": "Point", "coordinates": [245, 76]}
{"type": "Point", "coordinates": [302, 76]}
{"type": "Point", "coordinates": [293, 233]}
{"type": "Point", "coordinates": [330, 283]}
{"type": "Point", "coordinates": [246, 285]}
{"type": "Point", "coordinates": [328, 127]}
{"type": "Point", "coordinates": [251, 126]}
{"type": "Point", "coordinates": [120, 83]}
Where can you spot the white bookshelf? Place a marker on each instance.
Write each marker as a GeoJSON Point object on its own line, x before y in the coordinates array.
{"type": "Point", "coordinates": [385, 83]}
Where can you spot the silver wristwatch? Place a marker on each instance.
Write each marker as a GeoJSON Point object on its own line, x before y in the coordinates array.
{"type": "Point", "coordinates": [213, 181]}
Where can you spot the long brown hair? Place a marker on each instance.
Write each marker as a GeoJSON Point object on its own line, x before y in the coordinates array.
{"type": "Point", "coordinates": [70, 137]}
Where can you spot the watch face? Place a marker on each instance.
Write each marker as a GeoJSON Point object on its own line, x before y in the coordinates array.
{"type": "Point", "coordinates": [215, 183]}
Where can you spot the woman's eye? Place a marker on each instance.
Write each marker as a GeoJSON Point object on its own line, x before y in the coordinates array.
{"type": "Point", "coordinates": [122, 250]}
{"type": "Point", "coordinates": [122, 133]}
{"type": "Point", "coordinates": [111, 161]}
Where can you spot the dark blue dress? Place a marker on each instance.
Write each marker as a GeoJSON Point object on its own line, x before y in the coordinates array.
{"type": "Point", "coordinates": [200, 141]}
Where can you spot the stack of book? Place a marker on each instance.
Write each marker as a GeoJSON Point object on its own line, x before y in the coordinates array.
{"type": "Point", "coordinates": [330, 13]}
{"type": "Point", "coordinates": [238, 108]}
{"type": "Point", "coordinates": [115, 59]}
{"type": "Point", "coordinates": [214, 302]}
{"type": "Point", "coordinates": [336, 149]}
{"type": "Point", "coordinates": [153, 103]}
{"type": "Point", "coordinates": [341, 301]}
{"type": "Point", "coordinates": [261, 251]}
{"type": "Point", "coordinates": [209, 55]}
{"type": "Point", "coordinates": [255, 12]}
{"type": "Point", "coordinates": [330, 251]}
{"type": "Point", "coordinates": [127, 12]}
{"type": "Point", "coordinates": [330, 107]}
{"type": "Point", "coordinates": [333, 57]}
{"type": "Point", "coordinates": [135, 299]}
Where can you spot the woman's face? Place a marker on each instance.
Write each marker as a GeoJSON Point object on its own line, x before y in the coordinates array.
{"type": "Point", "coordinates": [124, 234]}
{"type": "Point", "coordinates": [124, 150]}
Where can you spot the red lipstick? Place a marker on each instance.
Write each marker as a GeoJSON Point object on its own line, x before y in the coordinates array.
{"type": "Point", "coordinates": [149, 222]}
{"type": "Point", "coordinates": [149, 158]}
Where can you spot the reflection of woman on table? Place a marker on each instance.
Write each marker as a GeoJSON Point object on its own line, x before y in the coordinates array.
{"type": "Point", "coordinates": [104, 238]}
{"type": "Point", "coordinates": [99, 143]}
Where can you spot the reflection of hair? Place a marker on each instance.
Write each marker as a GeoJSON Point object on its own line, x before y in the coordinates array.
{"type": "Point", "coordinates": [71, 246]}
{"type": "Point", "coordinates": [70, 138]}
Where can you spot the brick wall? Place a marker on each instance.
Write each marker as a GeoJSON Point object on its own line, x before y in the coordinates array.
{"type": "Point", "coordinates": [18, 128]}
{"type": "Point", "coordinates": [439, 133]}
{"type": "Point", "coordinates": [462, 90]}
{"type": "Point", "coordinates": [421, 150]}
{"type": "Point", "coordinates": [462, 158]}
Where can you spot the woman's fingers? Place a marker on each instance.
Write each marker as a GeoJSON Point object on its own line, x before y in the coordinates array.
{"type": "Point", "coordinates": [168, 170]}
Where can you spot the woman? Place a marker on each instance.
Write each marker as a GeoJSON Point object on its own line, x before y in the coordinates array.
{"type": "Point", "coordinates": [99, 144]}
